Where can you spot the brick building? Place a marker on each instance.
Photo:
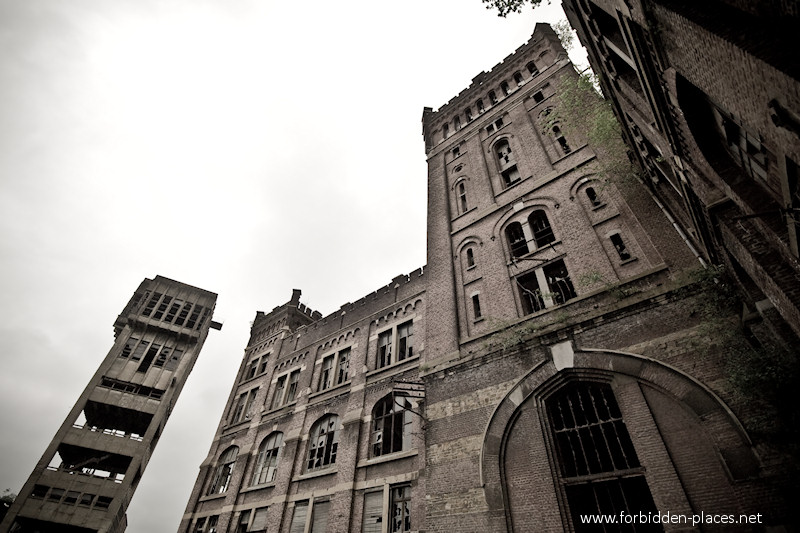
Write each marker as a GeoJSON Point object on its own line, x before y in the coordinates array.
{"type": "Point", "coordinates": [89, 472]}
{"type": "Point", "coordinates": [709, 100]}
{"type": "Point", "coordinates": [551, 360]}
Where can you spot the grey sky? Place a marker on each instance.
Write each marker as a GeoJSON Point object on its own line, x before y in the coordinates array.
{"type": "Point", "coordinates": [246, 147]}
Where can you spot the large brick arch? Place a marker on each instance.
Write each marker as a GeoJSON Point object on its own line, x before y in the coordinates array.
{"type": "Point", "coordinates": [727, 442]}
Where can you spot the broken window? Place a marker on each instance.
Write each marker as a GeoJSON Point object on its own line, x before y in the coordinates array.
{"type": "Point", "coordinates": [285, 389]}
{"type": "Point", "coordinates": [405, 346]}
{"type": "Point", "coordinates": [113, 420]}
{"type": "Point", "coordinates": [385, 349]}
{"type": "Point", "coordinates": [562, 142]}
{"type": "Point", "coordinates": [530, 293]}
{"type": "Point", "coordinates": [323, 443]}
{"type": "Point", "coordinates": [400, 509]}
{"type": "Point", "coordinates": [90, 462]}
{"type": "Point", "coordinates": [532, 68]}
{"type": "Point", "coordinates": [505, 88]}
{"type": "Point", "coordinates": [132, 388]}
{"type": "Point", "coordinates": [517, 242]}
{"type": "Point", "coordinates": [619, 246]}
{"type": "Point", "coordinates": [335, 369]}
{"type": "Point", "coordinates": [540, 228]}
{"type": "Point", "coordinates": [267, 461]}
{"type": "Point", "coordinates": [493, 97]}
{"type": "Point", "coordinates": [518, 78]}
{"type": "Point", "coordinates": [591, 439]}
{"type": "Point", "coordinates": [559, 282]}
{"type": "Point", "coordinates": [480, 106]}
{"type": "Point", "coordinates": [224, 471]}
{"type": "Point", "coordinates": [391, 425]}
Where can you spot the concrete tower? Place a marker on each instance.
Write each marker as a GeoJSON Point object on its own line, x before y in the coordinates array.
{"type": "Point", "coordinates": [89, 472]}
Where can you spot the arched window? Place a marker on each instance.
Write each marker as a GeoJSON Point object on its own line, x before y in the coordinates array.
{"type": "Point", "coordinates": [462, 198]}
{"type": "Point", "coordinates": [591, 194]}
{"type": "Point", "coordinates": [504, 87]}
{"type": "Point", "coordinates": [619, 246]}
{"type": "Point", "coordinates": [503, 151]}
{"type": "Point", "coordinates": [516, 239]}
{"type": "Point", "coordinates": [562, 142]}
{"type": "Point", "coordinates": [468, 114]}
{"type": "Point", "coordinates": [591, 439]}
{"type": "Point", "coordinates": [518, 78]}
{"type": "Point", "coordinates": [391, 425]}
{"type": "Point", "coordinates": [493, 97]}
{"type": "Point", "coordinates": [323, 443]}
{"type": "Point", "coordinates": [532, 68]}
{"type": "Point", "coordinates": [224, 471]}
{"type": "Point", "coordinates": [470, 258]}
{"type": "Point", "coordinates": [540, 228]}
{"type": "Point", "coordinates": [445, 131]}
{"type": "Point", "coordinates": [267, 461]}
{"type": "Point", "coordinates": [456, 123]}
{"type": "Point", "coordinates": [480, 106]}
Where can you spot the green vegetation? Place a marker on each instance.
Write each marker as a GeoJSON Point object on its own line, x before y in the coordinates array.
{"type": "Point", "coordinates": [505, 7]}
{"type": "Point", "coordinates": [763, 374]}
{"type": "Point", "coordinates": [583, 112]}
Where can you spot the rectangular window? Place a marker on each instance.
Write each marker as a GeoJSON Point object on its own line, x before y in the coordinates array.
{"type": "Point", "coordinates": [148, 310]}
{"type": "Point", "coordinates": [162, 307]}
{"type": "Point", "coordinates": [299, 517]}
{"type": "Point", "coordinates": [476, 306]}
{"type": "Point", "coordinates": [71, 497]}
{"type": "Point", "coordinates": [285, 389]}
{"type": "Point", "coordinates": [326, 376]}
{"type": "Point", "coordinates": [244, 520]}
{"type": "Point", "coordinates": [405, 344]}
{"type": "Point", "coordinates": [373, 512]}
{"type": "Point", "coordinates": [510, 176]}
{"type": "Point", "coordinates": [530, 294]}
{"type": "Point", "coordinates": [200, 526]}
{"type": "Point", "coordinates": [385, 349]}
{"type": "Point", "coordinates": [251, 369]}
{"type": "Point", "coordinates": [319, 516]}
{"type": "Point", "coordinates": [173, 310]}
{"type": "Point", "coordinates": [343, 370]}
{"type": "Point", "coordinates": [400, 509]}
{"type": "Point", "coordinates": [559, 283]}
{"type": "Point", "coordinates": [259, 524]}
{"type": "Point", "coordinates": [291, 392]}
{"type": "Point", "coordinates": [212, 524]}
{"type": "Point", "coordinates": [144, 365]}
{"type": "Point", "coordinates": [277, 398]}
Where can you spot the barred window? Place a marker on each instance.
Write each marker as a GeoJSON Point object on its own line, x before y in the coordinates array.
{"type": "Point", "coordinates": [598, 464]}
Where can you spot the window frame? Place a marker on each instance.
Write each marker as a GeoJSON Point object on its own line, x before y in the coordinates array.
{"type": "Point", "coordinates": [544, 276]}
{"type": "Point", "coordinates": [333, 378]}
{"type": "Point", "coordinates": [613, 465]}
{"type": "Point", "coordinates": [388, 420]}
{"type": "Point", "coordinates": [267, 459]}
{"type": "Point", "coordinates": [381, 519]}
{"type": "Point", "coordinates": [322, 455]}
{"type": "Point", "coordinates": [404, 349]}
{"type": "Point", "coordinates": [283, 394]}
{"type": "Point", "coordinates": [225, 469]}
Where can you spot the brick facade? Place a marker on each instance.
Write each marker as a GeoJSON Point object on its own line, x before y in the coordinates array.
{"type": "Point", "coordinates": [536, 288]}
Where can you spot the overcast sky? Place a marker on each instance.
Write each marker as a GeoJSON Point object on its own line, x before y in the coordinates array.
{"type": "Point", "coordinates": [246, 147]}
